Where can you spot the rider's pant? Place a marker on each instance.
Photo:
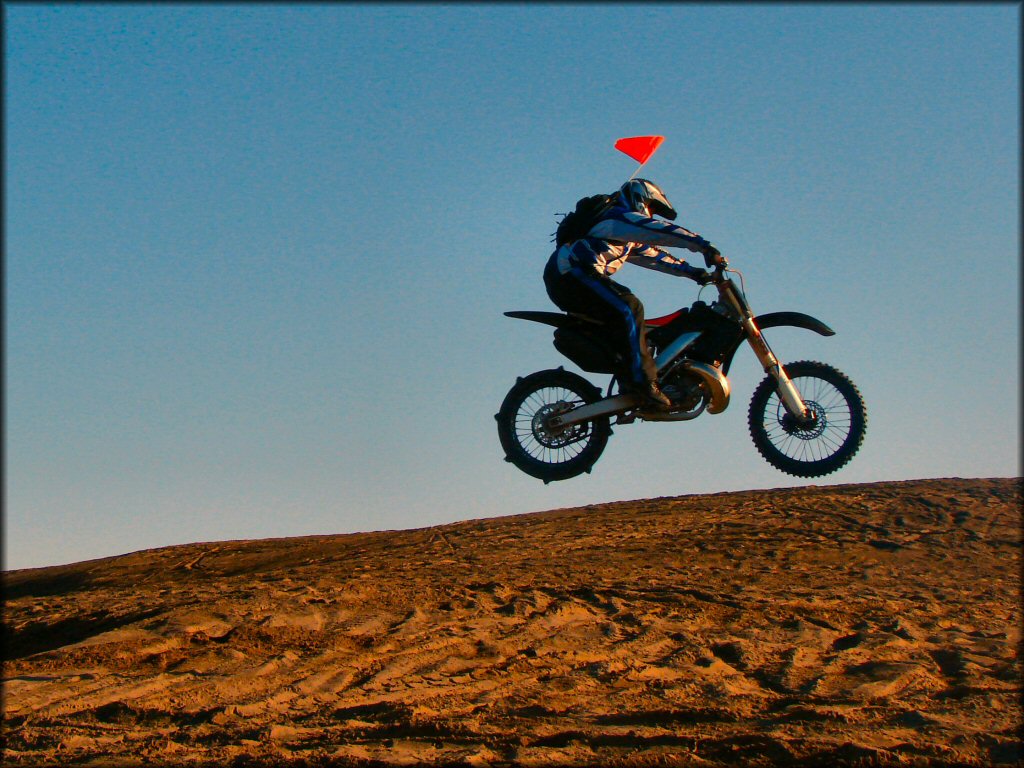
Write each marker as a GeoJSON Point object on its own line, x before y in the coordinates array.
{"type": "Point", "coordinates": [587, 292]}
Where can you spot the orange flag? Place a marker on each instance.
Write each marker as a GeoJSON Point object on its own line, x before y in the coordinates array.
{"type": "Point", "coordinates": [640, 148]}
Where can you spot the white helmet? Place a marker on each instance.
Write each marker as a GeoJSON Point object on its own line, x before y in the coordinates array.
{"type": "Point", "coordinates": [646, 198]}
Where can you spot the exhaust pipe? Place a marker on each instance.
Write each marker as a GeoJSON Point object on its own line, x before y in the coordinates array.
{"type": "Point", "coordinates": [718, 389]}
{"type": "Point", "coordinates": [717, 384]}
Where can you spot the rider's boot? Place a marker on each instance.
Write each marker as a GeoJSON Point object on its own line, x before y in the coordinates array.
{"type": "Point", "coordinates": [650, 395]}
{"type": "Point", "coordinates": [655, 397]}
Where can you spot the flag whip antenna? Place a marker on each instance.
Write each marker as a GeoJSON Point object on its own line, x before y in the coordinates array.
{"type": "Point", "coordinates": [640, 148]}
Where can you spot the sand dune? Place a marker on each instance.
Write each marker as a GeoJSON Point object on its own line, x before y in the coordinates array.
{"type": "Point", "coordinates": [875, 624]}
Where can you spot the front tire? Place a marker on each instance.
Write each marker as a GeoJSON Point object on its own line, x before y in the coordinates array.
{"type": "Point", "coordinates": [533, 447]}
{"type": "Point", "coordinates": [825, 444]}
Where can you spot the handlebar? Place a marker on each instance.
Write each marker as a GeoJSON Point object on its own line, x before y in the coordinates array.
{"type": "Point", "coordinates": [712, 258]}
{"type": "Point", "coordinates": [716, 262]}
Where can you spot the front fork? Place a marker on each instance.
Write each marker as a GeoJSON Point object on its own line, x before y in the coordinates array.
{"type": "Point", "coordinates": [788, 392]}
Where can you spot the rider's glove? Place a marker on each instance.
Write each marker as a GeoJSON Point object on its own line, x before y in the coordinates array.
{"type": "Point", "coordinates": [697, 274]}
{"type": "Point", "coordinates": [702, 276]}
{"type": "Point", "coordinates": [712, 257]}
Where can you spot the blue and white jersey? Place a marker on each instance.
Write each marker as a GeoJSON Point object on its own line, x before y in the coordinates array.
{"type": "Point", "coordinates": [623, 235]}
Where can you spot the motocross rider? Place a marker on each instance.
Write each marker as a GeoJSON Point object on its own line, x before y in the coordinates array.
{"type": "Point", "coordinates": [578, 275]}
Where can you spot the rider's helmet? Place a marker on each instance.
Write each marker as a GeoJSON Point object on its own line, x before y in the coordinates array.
{"type": "Point", "coordinates": [646, 198]}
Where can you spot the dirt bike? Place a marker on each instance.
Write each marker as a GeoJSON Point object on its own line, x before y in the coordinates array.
{"type": "Point", "coordinates": [806, 418]}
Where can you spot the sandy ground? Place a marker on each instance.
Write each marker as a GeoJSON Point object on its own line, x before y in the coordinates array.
{"type": "Point", "coordinates": [869, 624]}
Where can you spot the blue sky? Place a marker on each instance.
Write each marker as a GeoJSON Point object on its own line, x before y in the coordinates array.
{"type": "Point", "coordinates": [256, 255]}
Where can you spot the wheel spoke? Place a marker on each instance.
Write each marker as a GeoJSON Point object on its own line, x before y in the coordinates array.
{"type": "Point", "coordinates": [832, 427]}
{"type": "Point", "coordinates": [548, 447]}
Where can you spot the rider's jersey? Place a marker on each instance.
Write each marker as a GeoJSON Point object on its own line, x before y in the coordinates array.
{"type": "Point", "coordinates": [623, 235]}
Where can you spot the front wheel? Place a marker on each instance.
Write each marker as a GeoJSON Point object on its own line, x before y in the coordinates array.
{"type": "Point", "coordinates": [532, 444]}
{"type": "Point", "coordinates": [824, 442]}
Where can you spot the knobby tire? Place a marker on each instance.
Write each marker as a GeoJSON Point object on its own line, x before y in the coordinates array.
{"type": "Point", "coordinates": [816, 451]}
{"type": "Point", "coordinates": [540, 454]}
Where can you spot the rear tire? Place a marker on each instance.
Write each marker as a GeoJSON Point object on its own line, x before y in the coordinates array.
{"type": "Point", "coordinates": [821, 447]}
{"type": "Point", "coordinates": [530, 445]}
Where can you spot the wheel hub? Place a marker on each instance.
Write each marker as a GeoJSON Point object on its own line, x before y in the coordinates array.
{"type": "Point", "coordinates": [550, 436]}
{"type": "Point", "coordinates": [809, 427]}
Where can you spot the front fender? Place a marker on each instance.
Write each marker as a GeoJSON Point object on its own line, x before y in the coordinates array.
{"type": "Point", "coordinates": [794, 319]}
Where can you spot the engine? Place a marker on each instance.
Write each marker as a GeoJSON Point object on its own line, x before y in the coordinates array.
{"type": "Point", "coordinates": [685, 389]}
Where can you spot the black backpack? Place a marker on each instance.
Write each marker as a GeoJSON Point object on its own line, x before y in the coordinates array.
{"type": "Point", "coordinates": [589, 211]}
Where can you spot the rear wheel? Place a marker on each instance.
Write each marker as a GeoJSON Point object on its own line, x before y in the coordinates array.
{"type": "Point", "coordinates": [529, 440]}
{"type": "Point", "coordinates": [824, 442]}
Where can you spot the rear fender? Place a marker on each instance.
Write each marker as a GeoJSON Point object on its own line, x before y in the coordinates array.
{"type": "Point", "coordinates": [572, 340]}
{"type": "Point", "coordinates": [557, 319]}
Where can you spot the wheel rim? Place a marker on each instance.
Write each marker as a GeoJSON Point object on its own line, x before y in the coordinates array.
{"type": "Point", "coordinates": [823, 435]}
{"type": "Point", "coordinates": [539, 441]}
